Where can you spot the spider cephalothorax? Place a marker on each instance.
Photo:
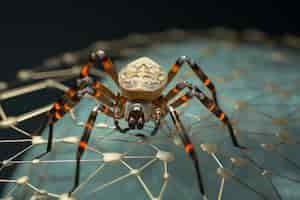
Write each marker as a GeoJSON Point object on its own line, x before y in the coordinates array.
{"type": "Point", "coordinates": [141, 83]}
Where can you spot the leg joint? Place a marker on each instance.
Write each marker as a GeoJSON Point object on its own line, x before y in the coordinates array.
{"type": "Point", "coordinates": [183, 59]}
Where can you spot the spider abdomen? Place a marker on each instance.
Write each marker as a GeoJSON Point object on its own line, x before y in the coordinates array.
{"type": "Point", "coordinates": [142, 79]}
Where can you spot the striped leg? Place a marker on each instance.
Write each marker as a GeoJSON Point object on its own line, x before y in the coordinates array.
{"type": "Point", "coordinates": [59, 109]}
{"type": "Point", "coordinates": [83, 143]}
{"type": "Point", "coordinates": [103, 94]}
{"type": "Point", "coordinates": [107, 92]}
{"type": "Point", "coordinates": [71, 99]}
{"type": "Point", "coordinates": [106, 62]}
{"type": "Point", "coordinates": [188, 146]}
{"type": "Point", "coordinates": [197, 70]}
{"type": "Point", "coordinates": [175, 90]}
{"type": "Point", "coordinates": [212, 107]}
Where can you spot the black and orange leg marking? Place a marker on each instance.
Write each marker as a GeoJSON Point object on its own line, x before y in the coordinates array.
{"type": "Point", "coordinates": [94, 58]}
{"type": "Point", "coordinates": [106, 110]}
{"type": "Point", "coordinates": [212, 107]}
{"type": "Point", "coordinates": [107, 92]}
{"type": "Point", "coordinates": [175, 90]}
{"type": "Point", "coordinates": [72, 97]}
{"type": "Point", "coordinates": [83, 145]}
{"type": "Point", "coordinates": [216, 110]}
{"type": "Point", "coordinates": [59, 109]}
{"type": "Point", "coordinates": [106, 62]}
{"type": "Point", "coordinates": [85, 69]}
{"type": "Point", "coordinates": [197, 70]}
{"type": "Point", "coordinates": [189, 148]}
{"type": "Point", "coordinates": [183, 99]}
{"type": "Point", "coordinates": [103, 94]}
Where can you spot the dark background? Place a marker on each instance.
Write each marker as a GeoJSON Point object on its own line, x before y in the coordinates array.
{"type": "Point", "coordinates": [32, 31]}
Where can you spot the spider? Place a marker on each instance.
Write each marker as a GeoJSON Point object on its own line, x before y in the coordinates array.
{"type": "Point", "coordinates": [141, 84]}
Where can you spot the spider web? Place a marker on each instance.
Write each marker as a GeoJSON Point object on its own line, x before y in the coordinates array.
{"type": "Point", "coordinates": [257, 86]}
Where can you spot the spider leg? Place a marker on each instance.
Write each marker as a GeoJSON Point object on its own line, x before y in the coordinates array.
{"type": "Point", "coordinates": [212, 107]}
{"type": "Point", "coordinates": [188, 146]}
{"type": "Point", "coordinates": [83, 143]}
{"type": "Point", "coordinates": [72, 97]}
{"type": "Point", "coordinates": [153, 132]}
{"type": "Point", "coordinates": [121, 130]}
{"type": "Point", "coordinates": [175, 90]}
{"type": "Point", "coordinates": [157, 125]}
{"type": "Point", "coordinates": [67, 102]}
{"type": "Point", "coordinates": [197, 70]}
{"type": "Point", "coordinates": [59, 109]}
{"type": "Point", "coordinates": [124, 130]}
{"type": "Point", "coordinates": [100, 55]}
{"type": "Point", "coordinates": [107, 92]}
{"type": "Point", "coordinates": [85, 80]}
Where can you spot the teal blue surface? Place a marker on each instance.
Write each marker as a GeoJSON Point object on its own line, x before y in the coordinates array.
{"type": "Point", "coordinates": [252, 73]}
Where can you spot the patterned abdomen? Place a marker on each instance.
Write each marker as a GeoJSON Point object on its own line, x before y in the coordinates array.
{"type": "Point", "coordinates": [142, 79]}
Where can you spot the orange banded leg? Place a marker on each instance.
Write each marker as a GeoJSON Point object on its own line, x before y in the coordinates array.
{"type": "Point", "coordinates": [85, 69]}
{"type": "Point", "coordinates": [107, 92]}
{"type": "Point", "coordinates": [183, 99]}
{"type": "Point", "coordinates": [176, 90]}
{"type": "Point", "coordinates": [216, 110]}
{"type": "Point", "coordinates": [100, 55]}
{"type": "Point", "coordinates": [83, 145]}
{"type": "Point", "coordinates": [103, 94]}
{"type": "Point", "coordinates": [212, 107]}
{"type": "Point", "coordinates": [59, 109]}
{"type": "Point", "coordinates": [197, 70]}
{"type": "Point", "coordinates": [94, 57]}
{"type": "Point", "coordinates": [189, 148]}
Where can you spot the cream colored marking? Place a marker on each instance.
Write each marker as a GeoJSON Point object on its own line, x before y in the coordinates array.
{"type": "Point", "coordinates": [143, 74]}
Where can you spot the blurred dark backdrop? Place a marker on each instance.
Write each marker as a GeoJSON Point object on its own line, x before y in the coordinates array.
{"type": "Point", "coordinates": [32, 31]}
